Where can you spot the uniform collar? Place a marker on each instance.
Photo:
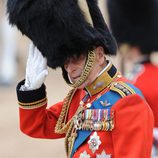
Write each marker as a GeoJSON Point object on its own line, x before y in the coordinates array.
{"type": "Point", "coordinates": [105, 77]}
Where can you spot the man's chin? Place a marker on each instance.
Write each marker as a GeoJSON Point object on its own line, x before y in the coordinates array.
{"type": "Point", "coordinates": [75, 79]}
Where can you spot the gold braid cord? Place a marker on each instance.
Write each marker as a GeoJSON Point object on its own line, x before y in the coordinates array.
{"type": "Point", "coordinates": [61, 126]}
{"type": "Point", "coordinates": [67, 139]}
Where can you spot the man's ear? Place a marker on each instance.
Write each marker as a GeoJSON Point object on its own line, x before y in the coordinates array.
{"type": "Point", "coordinates": [100, 55]}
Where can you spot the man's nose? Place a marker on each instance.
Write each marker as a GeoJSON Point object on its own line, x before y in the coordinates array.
{"type": "Point", "coordinates": [70, 67]}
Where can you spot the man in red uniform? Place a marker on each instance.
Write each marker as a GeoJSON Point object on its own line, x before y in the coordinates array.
{"type": "Point", "coordinates": [135, 26]}
{"type": "Point", "coordinates": [103, 115]}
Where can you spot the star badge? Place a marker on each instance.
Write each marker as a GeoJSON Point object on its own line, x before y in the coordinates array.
{"type": "Point", "coordinates": [84, 155]}
{"type": "Point", "coordinates": [94, 142]}
{"type": "Point", "coordinates": [103, 155]}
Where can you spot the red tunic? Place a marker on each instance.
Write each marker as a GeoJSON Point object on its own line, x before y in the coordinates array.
{"type": "Point", "coordinates": [130, 138]}
{"type": "Point", "coordinates": [147, 81]}
{"type": "Point", "coordinates": [132, 135]}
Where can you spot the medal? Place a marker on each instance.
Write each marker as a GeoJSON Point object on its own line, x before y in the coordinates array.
{"type": "Point", "coordinates": [94, 142]}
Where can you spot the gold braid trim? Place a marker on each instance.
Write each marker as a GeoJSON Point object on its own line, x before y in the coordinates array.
{"type": "Point", "coordinates": [68, 134]}
{"type": "Point", "coordinates": [61, 126]}
{"type": "Point", "coordinates": [122, 88]}
{"type": "Point", "coordinates": [33, 105]}
{"type": "Point", "coordinates": [71, 134]}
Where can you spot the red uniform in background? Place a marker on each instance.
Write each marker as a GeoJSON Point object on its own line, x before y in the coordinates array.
{"type": "Point", "coordinates": [145, 76]}
{"type": "Point", "coordinates": [134, 25]}
{"type": "Point", "coordinates": [146, 80]}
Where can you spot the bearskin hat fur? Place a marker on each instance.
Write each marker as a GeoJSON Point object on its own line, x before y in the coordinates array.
{"type": "Point", "coordinates": [135, 22]}
{"type": "Point", "coordinates": [58, 27]}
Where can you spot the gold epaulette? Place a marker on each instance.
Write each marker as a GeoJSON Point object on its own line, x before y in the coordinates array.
{"type": "Point", "coordinates": [122, 88]}
{"type": "Point", "coordinates": [33, 105]}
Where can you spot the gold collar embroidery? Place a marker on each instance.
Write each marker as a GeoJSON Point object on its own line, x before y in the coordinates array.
{"type": "Point", "coordinates": [107, 75]}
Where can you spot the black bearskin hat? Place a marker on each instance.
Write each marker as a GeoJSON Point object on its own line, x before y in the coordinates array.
{"type": "Point", "coordinates": [135, 22]}
{"type": "Point", "coordinates": [58, 27]}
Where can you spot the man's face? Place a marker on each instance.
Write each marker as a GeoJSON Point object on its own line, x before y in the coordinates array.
{"type": "Point", "coordinates": [75, 66]}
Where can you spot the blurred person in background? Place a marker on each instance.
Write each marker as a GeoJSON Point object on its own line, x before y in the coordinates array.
{"type": "Point", "coordinates": [8, 38]}
{"type": "Point", "coordinates": [135, 27]}
{"type": "Point", "coordinates": [103, 115]}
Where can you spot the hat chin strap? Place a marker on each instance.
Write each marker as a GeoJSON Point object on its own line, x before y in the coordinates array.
{"type": "Point", "coordinates": [87, 69]}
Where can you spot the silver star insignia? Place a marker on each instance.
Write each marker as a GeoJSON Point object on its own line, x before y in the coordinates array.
{"type": "Point", "coordinates": [84, 155]}
{"type": "Point", "coordinates": [103, 155]}
{"type": "Point", "coordinates": [94, 142]}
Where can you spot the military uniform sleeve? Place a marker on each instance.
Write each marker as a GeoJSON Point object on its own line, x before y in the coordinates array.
{"type": "Point", "coordinates": [35, 119]}
{"type": "Point", "coordinates": [132, 136]}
